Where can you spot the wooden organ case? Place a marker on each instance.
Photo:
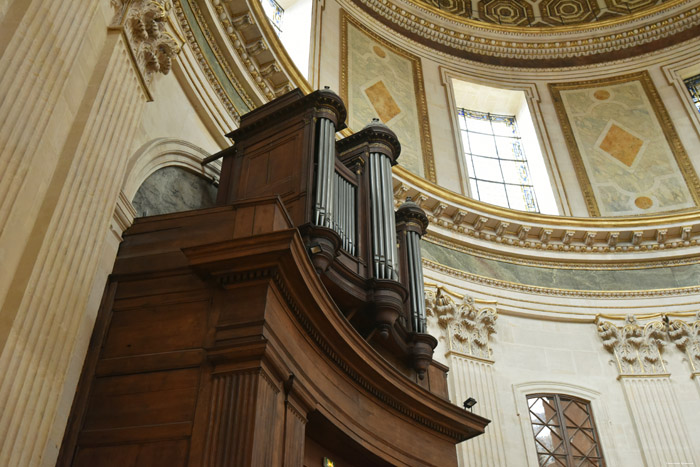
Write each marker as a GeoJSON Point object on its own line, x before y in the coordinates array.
{"type": "Point", "coordinates": [282, 327]}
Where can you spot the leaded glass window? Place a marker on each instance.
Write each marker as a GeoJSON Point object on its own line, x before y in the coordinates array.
{"type": "Point", "coordinates": [564, 431]}
{"type": "Point", "coordinates": [275, 13]}
{"type": "Point", "coordinates": [498, 169]}
{"type": "Point", "coordinates": [693, 85]}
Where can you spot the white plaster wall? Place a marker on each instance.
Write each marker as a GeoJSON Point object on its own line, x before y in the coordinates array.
{"type": "Point", "coordinates": [550, 343]}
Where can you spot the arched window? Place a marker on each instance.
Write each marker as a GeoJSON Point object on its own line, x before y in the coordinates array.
{"type": "Point", "coordinates": [564, 431]}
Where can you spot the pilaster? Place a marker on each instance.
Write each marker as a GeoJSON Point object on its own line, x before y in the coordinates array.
{"type": "Point", "coordinates": [467, 331]}
{"type": "Point", "coordinates": [648, 390]}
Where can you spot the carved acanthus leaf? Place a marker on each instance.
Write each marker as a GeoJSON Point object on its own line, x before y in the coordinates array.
{"type": "Point", "coordinates": [686, 336]}
{"type": "Point", "coordinates": [468, 327]}
{"type": "Point", "coordinates": [145, 28]}
{"type": "Point", "coordinates": [637, 348]}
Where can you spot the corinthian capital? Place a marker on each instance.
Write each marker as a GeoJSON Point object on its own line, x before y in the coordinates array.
{"type": "Point", "coordinates": [468, 328]}
{"type": "Point", "coordinates": [686, 336]}
{"type": "Point", "coordinates": [637, 348]}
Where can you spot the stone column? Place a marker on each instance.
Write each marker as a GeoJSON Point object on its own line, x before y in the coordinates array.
{"type": "Point", "coordinates": [75, 94]}
{"type": "Point", "coordinates": [466, 330]}
{"type": "Point", "coordinates": [647, 386]}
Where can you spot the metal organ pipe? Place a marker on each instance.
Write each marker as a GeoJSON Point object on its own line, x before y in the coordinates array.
{"type": "Point", "coordinates": [383, 223]}
{"type": "Point", "coordinates": [325, 169]}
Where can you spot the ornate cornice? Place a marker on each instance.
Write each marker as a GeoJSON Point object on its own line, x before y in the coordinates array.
{"type": "Point", "coordinates": [645, 31]}
{"type": "Point", "coordinates": [468, 328]}
{"type": "Point", "coordinates": [637, 348]}
{"type": "Point", "coordinates": [465, 223]}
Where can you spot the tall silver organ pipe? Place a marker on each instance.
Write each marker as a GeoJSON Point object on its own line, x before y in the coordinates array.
{"type": "Point", "coordinates": [412, 225]}
{"type": "Point", "coordinates": [415, 283]}
{"type": "Point", "coordinates": [325, 170]}
{"type": "Point", "coordinates": [383, 224]}
{"type": "Point", "coordinates": [344, 213]}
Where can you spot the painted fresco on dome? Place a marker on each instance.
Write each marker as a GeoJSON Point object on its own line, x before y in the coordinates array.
{"type": "Point", "coordinates": [381, 81]}
{"type": "Point", "coordinates": [627, 156]}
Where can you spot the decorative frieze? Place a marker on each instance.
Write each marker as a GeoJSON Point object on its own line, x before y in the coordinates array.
{"type": "Point", "coordinates": [467, 327]}
{"type": "Point", "coordinates": [637, 348]}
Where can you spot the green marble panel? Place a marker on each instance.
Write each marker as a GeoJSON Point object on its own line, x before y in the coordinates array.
{"type": "Point", "coordinates": [574, 279]}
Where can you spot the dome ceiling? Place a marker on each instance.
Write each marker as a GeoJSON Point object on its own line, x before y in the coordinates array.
{"type": "Point", "coordinates": [540, 33]}
{"type": "Point", "coordinates": [541, 13]}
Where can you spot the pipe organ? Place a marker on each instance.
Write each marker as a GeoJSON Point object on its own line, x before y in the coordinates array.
{"type": "Point", "coordinates": [266, 330]}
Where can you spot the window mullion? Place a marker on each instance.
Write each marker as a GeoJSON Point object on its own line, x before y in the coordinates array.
{"type": "Point", "coordinates": [564, 432]}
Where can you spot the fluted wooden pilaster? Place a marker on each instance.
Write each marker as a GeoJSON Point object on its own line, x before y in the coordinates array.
{"type": "Point", "coordinates": [44, 333]}
{"type": "Point", "coordinates": [242, 420]}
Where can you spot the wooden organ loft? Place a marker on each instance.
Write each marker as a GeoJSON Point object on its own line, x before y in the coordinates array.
{"type": "Point", "coordinates": [282, 327]}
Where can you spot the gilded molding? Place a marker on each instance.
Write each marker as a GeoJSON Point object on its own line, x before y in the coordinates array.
{"type": "Point", "coordinates": [462, 219]}
{"type": "Point", "coordinates": [421, 103]}
{"type": "Point", "coordinates": [664, 120]}
{"type": "Point", "coordinates": [468, 328]}
{"type": "Point", "coordinates": [686, 336]}
{"type": "Point", "coordinates": [637, 348]}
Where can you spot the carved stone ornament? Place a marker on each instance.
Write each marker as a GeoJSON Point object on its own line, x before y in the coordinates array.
{"type": "Point", "coordinates": [468, 328]}
{"type": "Point", "coordinates": [686, 336]}
{"type": "Point", "coordinates": [637, 348]}
{"type": "Point", "coordinates": [144, 23]}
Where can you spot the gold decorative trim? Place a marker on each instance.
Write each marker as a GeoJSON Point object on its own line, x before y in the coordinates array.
{"type": "Point", "coordinates": [538, 290]}
{"type": "Point", "coordinates": [421, 103]}
{"type": "Point", "coordinates": [684, 164]}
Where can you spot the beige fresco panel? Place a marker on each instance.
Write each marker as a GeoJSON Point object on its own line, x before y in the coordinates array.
{"type": "Point", "coordinates": [385, 105]}
{"type": "Point", "coordinates": [626, 153]}
{"type": "Point", "coordinates": [380, 80]}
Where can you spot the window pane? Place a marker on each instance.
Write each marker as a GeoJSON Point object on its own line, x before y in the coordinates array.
{"type": "Point", "coordinates": [559, 432]}
{"type": "Point", "coordinates": [504, 125]}
{"type": "Point", "coordinates": [487, 169]}
{"type": "Point", "coordinates": [509, 148]}
{"type": "Point", "coordinates": [516, 196]}
{"type": "Point", "coordinates": [693, 85]}
{"type": "Point", "coordinates": [493, 193]}
{"type": "Point", "coordinates": [483, 145]}
{"type": "Point", "coordinates": [494, 152]}
{"type": "Point", "coordinates": [478, 121]}
{"type": "Point", "coordinates": [515, 172]}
